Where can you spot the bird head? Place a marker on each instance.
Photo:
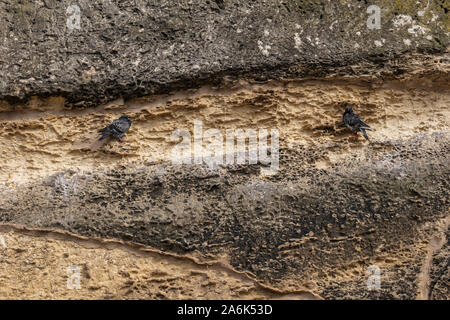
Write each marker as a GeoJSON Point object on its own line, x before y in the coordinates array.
{"type": "Point", "coordinates": [125, 118]}
{"type": "Point", "coordinates": [348, 109]}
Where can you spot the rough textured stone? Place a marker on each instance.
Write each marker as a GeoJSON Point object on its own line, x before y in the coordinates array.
{"type": "Point", "coordinates": [132, 48]}
{"type": "Point", "coordinates": [315, 226]}
{"type": "Point", "coordinates": [333, 209]}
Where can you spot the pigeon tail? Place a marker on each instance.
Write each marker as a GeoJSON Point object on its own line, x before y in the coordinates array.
{"type": "Point", "coordinates": [365, 126]}
{"type": "Point", "coordinates": [363, 131]}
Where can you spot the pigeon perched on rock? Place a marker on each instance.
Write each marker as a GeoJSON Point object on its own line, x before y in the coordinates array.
{"type": "Point", "coordinates": [354, 122]}
{"type": "Point", "coordinates": [116, 129]}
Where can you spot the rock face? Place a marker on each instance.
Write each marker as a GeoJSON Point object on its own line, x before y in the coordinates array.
{"type": "Point", "coordinates": [334, 218]}
{"type": "Point", "coordinates": [92, 52]}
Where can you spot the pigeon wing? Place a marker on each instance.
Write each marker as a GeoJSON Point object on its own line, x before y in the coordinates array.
{"type": "Point", "coordinates": [105, 129]}
{"type": "Point", "coordinates": [362, 124]}
{"type": "Point", "coordinates": [355, 122]}
{"type": "Point", "coordinates": [120, 126]}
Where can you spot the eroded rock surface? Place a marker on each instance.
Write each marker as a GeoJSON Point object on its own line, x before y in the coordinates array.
{"type": "Point", "coordinates": [99, 51]}
{"type": "Point", "coordinates": [139, 225]}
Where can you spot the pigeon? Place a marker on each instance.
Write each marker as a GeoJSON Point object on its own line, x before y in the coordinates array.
{"type": "Point", "coordinates": [354, 122]}
{"type": "Point", "coordinates": [116, 129]}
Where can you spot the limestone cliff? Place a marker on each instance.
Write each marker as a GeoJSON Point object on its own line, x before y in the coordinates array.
{"type": "Point", "coordinates": [138, 225]}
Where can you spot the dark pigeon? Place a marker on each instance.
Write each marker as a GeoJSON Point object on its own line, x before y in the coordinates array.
{"type": "Point", "coordinates": [354, 122]}
{"type": "Point", "coordinates": [116, 129]}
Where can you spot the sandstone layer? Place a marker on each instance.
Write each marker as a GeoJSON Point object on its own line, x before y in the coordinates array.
{"type": "Point", "coordinates": [137, 225]}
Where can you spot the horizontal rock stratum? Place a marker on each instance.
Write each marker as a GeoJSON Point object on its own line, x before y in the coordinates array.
{"type": "Point", "coordinates": [94, 52]}
{"type": "Point", "coordinates": [338, 218]}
